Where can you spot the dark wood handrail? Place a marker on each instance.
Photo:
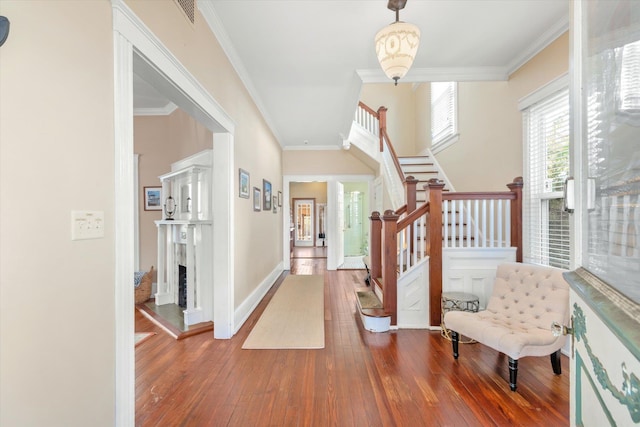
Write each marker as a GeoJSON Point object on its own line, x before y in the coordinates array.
{"type": "Point", "coordinates": [368, 109]}
{"type": "Point", "coordinates": [502, 195]}
{"type": "Point", "coordinates": [401, 210]}
{"type": "Point", "coordinates": [412, 217]}
{"type": "Point", "coordinates": [394, 156]}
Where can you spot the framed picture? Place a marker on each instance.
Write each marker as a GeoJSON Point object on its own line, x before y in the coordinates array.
{"type": "Point", "coordinates": [152, 198]}
{"type": "Point", "coordinates": [266, 196]}
{"type": "Point", "coordinates": [279, 199]}
{"type": "Point", "coordinates": [243, 185]}
{"type": "Point", "coordinates": [256, 199]}
{"type": "Point", "coordinates": [275, 204]}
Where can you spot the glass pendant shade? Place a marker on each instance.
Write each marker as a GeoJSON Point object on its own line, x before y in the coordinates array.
{"type": "Point", "coordinates": [396, 47]}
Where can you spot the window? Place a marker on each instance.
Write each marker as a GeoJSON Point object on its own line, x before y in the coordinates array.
{"type": "Point", "coordinates": [547, 231]}
{"type": "Point", "coordinates": [444, 121]}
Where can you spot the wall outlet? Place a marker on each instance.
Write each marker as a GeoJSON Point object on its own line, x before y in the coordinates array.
{"type": "Point", "coordinates": [87, 225]}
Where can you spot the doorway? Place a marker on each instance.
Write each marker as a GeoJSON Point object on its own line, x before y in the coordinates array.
{"type": "Point", "coordinates": [135, 47]}
{"type": "Point", "coordinates": [304, 224]}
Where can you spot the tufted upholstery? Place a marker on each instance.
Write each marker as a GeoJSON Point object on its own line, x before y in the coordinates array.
{"type": "Point", "coordinates": [526, 299]}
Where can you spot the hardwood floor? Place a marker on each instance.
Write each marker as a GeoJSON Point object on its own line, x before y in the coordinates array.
{"type": "Point", "coordinates": [401, 378]}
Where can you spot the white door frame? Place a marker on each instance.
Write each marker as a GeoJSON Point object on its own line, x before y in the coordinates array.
{"type": "Point", "coordinates": [134, 42]}
{"type": "Point", "coordinates": [331, 226]}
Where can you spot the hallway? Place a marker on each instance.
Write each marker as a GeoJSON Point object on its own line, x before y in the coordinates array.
{"type": "Point", "coordinates": [401, 378]}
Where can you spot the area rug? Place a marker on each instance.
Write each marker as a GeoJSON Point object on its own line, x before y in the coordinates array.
{"type": "Point", "coordinates": [140, 337]}
{"type": "Point", "coordinates": [294, 318]}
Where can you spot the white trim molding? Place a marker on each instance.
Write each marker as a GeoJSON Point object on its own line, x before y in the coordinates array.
{"type": "Point", "coordinates": [247, 306]}
{"type": "Point", "coordinates": [163, 111]}
{"type": "Point", "coordinates": [555, 85]}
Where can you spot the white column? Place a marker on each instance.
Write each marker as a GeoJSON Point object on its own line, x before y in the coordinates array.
{"type": "Point", "coordinates": [163, 295]}
{"type": "Point", "coordinates": [192, 314]}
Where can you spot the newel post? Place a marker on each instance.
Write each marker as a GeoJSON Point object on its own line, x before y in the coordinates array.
{"type": "Point", "coordinates": [390, 264]}
{"type": "Point", "coordinates": [516, 216]}
{"type": "Point", "coordinates": [410, 192]}
{"type": "Point", "coordinates": [376, 246]}
{"type": "Point", "coordinates": [434, 188]}
{"type": "Point", "coordinates": [382, 121]}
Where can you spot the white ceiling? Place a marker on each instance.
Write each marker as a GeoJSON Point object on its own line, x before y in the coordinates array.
{"type": "Point", "coordinates": [304, 61]}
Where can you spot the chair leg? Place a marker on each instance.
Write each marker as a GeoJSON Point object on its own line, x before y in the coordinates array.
{"type": "Point", "coordinates": [454, 343]}
{"type": "Point", "coordinates": [513, 373]}
{"type": "Point", "coordinates": [555, 363]}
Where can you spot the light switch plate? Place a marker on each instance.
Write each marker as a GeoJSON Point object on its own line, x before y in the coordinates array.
{"type": "Point", "coordinates": [87, 225]}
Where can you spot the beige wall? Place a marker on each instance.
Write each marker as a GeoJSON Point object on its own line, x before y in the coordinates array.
{"type": "Point", "coordinates": [258, 235]}
{"type": "Point", "coordinates": [322, 162]}
{"type": "Point", "coordinates": [311, 190]}
{"type": "Point", "coordinates": [161, 141]}
{"type": "Point", "coordinates": [488, 154]}
{"type": "Point", "coordinates": [401, 119]}
{"type": "Point", "coordinates": [57, 351]}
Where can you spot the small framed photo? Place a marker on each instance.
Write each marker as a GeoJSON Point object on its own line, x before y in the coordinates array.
{"type": "Point", "coordinates": [266, 195]}
{"type": "Point", "coordinates": [152, 198]}
{"type": "Point", "coordinates": [243, 186]}
{"type": "Point", "coordinates": [257, 199]}
{"type": "Point", "coordinates": [279, 199]}
{"type": "Point", "coordinates": [275, 204]}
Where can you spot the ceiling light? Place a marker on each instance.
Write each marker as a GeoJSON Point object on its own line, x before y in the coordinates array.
{"type": "Point", "coordinates": [397, 44]}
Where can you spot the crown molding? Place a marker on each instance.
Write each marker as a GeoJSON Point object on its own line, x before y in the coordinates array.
{"type": "Point", "coordinates": [217, 28]}
{"type": "Point", "coordinates": [548, 37]}
{"type": "Point", "coordinates": [311, 148]}
{"type": "Point", "coordinates": [162, 111]}
{"type": "Point", "coordinates": [419, 75]}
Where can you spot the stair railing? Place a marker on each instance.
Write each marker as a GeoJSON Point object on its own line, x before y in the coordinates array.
{"type": "Point", "coordinates": [492, 220]}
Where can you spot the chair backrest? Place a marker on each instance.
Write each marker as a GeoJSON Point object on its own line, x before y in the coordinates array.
{"type": "Point", "coordinates": [532, 294]}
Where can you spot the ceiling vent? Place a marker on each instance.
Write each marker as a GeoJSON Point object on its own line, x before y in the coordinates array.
{"type": "Point", "coordinates": [188, 7]}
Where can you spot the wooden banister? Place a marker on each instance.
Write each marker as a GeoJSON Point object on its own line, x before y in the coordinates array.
{"type": "Point", "coordinates": [401, 210]}
{"type": "Point", "coordinates": [390, 265]}
{"type": "Point", "coordinates": [382, 122]}
{"type": "Point", "coordinates": [392, 152]}
{"type": "Point", "coordinates": [504, 195]}
{"type": "Point", "coordinates": [412, 217]}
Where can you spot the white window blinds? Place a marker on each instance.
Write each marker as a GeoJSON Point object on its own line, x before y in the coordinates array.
{"type": "Point", "coordinates": [546, 224]}
{"type": "Point", "coordinates": [443, 111]}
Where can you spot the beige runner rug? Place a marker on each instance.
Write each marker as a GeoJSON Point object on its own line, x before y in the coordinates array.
{"type": "Point", "coordinates": [294, 318]}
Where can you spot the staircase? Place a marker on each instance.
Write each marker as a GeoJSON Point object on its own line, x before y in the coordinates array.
{"type": "Point", "coordinates": [423, 169]}
{"type": "Point", "coordinates": [406, 258]}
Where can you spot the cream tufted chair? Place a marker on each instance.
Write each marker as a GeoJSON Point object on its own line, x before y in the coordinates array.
{"type": "Point", "coordinates": [526, 300]}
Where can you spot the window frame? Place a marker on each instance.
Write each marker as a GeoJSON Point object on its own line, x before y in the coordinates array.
{"type": "Point", "coordinates": [445, 139]}
{"type": "Point", "coordinates": [543, 199]}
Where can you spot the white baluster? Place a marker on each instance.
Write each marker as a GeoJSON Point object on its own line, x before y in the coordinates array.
{"type": "Point", "coordinates": [500, 215]}
{"type": "Point", "coordinates": [484, 223]}
{"type": "Point", "coordinates": [445, 221]}
{"type": "Point", "coordinates": [476, 216]}
{"type": "Point", "coordinates": [492, 235]}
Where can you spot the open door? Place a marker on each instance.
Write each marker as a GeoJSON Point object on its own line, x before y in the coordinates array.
{"type": "Point", "coordinates": [339, 246]}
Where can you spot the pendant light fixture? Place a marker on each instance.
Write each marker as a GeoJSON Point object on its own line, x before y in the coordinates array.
{"type": "Point", "coordinates": [397, 44]}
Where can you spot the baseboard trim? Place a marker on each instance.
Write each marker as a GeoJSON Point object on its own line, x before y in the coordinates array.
{"type": "Point", "coordinates": [245, 309]}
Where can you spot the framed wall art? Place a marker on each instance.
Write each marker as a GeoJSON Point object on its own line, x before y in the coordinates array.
{"type": "Point", "coordinates": [256, 199]}
{"type": "Point", "coordinates": [243, 183]}
{"type": "Point", "coordinates": [266, 195]}
{"type": "Point", "coordinates": [152, 198]}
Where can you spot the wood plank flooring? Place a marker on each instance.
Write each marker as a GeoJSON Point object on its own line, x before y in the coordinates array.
{"type": "Point", "coordinates": [401, 378]}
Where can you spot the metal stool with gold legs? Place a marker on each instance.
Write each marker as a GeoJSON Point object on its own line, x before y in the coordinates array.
{"type": "Point", "coordinates": [460, 301]}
